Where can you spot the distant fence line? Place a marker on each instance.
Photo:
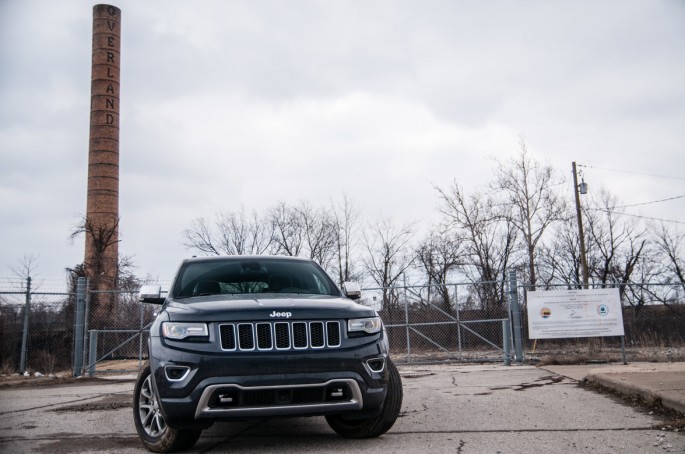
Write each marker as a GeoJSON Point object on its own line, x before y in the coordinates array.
{"type": "Point", "coordinates": [51, 332]}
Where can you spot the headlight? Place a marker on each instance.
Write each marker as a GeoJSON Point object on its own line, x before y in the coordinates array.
{"type": "Point", "coordinates": [181, 330]}
{"type": "Point", "coordinates": [368, 325]}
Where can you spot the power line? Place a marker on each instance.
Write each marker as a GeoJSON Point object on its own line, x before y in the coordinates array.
{"type": "Point", "coordinates": [634, 173]}
{"type": "Point", "coordinates": [636, 216]}
{"type": "Point", "coordinates": [649, 203]}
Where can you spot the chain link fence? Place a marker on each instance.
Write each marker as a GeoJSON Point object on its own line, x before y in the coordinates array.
{"type": "Point", "coordinates": [465, 322]}
{"type": "Point", "coordinates": [37, 331]}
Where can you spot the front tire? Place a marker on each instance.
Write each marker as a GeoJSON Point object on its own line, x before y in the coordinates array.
{"type": "Point", "coordinates": [149, 421]}
{"type": "Point", "coordinates": [376, 426]}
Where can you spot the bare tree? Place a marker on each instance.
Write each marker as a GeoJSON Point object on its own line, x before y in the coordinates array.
{"type": "Point", "coordinates": [560, 261]}
{"type": "Point", "coordinates": [304, 231]}
{"type": "Point", "coordinates": [439, 255]}
{"type": "Point", "coordinates": [25, 268]}
{"type": "Point", "coordinates": [671, 247]}
{"type": "Point", "coordinates": [619, 242]}
{"type": "Point", "coordinates": [347, 236]}
{"type": "Point", "coordinates": [300, 231]}
{"type": "Point", "coordinates": [233, 233]}
{"type": "Point", "coordinates": [664, 265]}
{"type": "Point", "coordinates": [388, 256]}
{"type": "Point", "coordinates": [288, 230]}
{"type": "Point", "coordinates": [489, 239]}
{"type": "Point", "coordinates": [201, 237]}
{"type": "Point", "coordinates": [529, 188]}
{"type": "Point", "coordinates": [319, 232]}
{"type": "Point", "coordinates": [104, 272]}
{"type": "Point", "coordinates": [102, 275]}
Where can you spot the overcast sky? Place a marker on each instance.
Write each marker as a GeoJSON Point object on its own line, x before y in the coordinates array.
{"type": "Point", "coordinates": [245, 103]}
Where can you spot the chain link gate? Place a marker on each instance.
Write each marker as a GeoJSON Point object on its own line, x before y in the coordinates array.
{"type": "Point", "coordinates": [112, 331]}
{"type": "Point", "coordinates": [452, 322]}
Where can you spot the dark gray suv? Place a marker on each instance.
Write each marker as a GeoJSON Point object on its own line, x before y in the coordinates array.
{"type": "Point", "coordinates": [250, 337]}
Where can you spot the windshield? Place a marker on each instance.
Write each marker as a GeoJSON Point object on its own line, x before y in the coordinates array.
{"type": "Point", "coordinates": [252, 275]}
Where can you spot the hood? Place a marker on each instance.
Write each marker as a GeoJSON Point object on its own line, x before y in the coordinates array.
{"type": "Point", "coordinates": [222, 308]}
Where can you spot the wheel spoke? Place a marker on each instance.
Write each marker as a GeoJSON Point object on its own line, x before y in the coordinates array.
{"type": "Point", "coordinates": [147, 419]}
{"type": "Point", "coordinates": [157, 424]}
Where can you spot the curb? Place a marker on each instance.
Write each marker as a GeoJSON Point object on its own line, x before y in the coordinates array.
{"type": "Point", "coordinates": [614, 381]}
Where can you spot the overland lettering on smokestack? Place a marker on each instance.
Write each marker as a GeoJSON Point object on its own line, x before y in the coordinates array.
{"type": "Point", "coordinates": [101, 224]}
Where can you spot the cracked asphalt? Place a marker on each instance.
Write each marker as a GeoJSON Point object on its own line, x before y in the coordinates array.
{"type": "Point", "coordinates": [447, 408]}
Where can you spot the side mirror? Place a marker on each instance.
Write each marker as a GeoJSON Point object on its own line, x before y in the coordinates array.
{"type": "Point", "coordinates": [151, 294]}
{"type": "Point", "coordinates": [352, 290]}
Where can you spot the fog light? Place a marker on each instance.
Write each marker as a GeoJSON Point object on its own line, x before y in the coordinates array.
{"type": "Point", "coordinates": [176, 373]}
{"type": "Point", "coordinates": [376, 365]}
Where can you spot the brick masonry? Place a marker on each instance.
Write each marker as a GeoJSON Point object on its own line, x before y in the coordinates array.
{"type": "Point", "coordinates": [102, 211]}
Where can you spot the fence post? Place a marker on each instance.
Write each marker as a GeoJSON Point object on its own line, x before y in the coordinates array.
{"type": "Point", "coordinates": [79, 325]}
{"type": "Point", "coordinates": [86, 316]}
{"type": "Point", "coordinates": [456, 311]}
{"type": "Point", "coordinates": [515, 315]}
{"type": "Point", "coordinates": [25, 332]}
{"type": "Point", "coordinates": [140, 338]}
{"type": "Point", "coordinates": [92, 352]}
{"type": "Point", "coordinates": [506, 341]}
{"type": "Point", "coordinates": [406, 322]}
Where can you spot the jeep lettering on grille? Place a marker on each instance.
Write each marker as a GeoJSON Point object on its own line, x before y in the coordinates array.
{"type": "Point", "coordinates": [281, 314]}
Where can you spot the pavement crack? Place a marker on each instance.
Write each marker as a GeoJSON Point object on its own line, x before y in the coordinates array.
{"type": "Point", "coordinates": [542, 381]}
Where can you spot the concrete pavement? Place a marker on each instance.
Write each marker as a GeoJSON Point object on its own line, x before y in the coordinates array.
{"type": "Point", "coordinates": [447, 408]}
{"type": "Point", "coordinates": [652, 382]}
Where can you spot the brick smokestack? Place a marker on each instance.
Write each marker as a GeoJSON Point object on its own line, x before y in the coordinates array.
{"type": "Point", "coordinates": [101, 223]}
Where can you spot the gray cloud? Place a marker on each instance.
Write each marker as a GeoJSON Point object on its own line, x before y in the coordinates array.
{"type": "Point", "coordinates": [229, 104]}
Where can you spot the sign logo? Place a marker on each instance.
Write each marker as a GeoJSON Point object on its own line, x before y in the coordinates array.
{"type": "Point", "coordinates": [275, 314]}
{"type": "Point", "coordinates": [545, 312]}
{"type": "Point", "coordinates": [603, 310]}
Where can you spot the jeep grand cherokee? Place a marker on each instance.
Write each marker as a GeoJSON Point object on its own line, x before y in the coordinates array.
{"type": "Point", "coordinates": [249, 337]}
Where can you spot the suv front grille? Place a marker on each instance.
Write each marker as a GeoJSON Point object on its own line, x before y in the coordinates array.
{"type": "Point", "coordinates": [266, 336]}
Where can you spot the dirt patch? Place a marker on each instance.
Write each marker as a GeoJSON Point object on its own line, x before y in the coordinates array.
{"type": "Point", "coordinates": [588, 353]}
{"type": "Point", "coordinates": [29, 382]}
{"type": "Point", "coordinates": [105, 369]}
{"type": "Point", "coordinates": [92, 444]}
{"type": "Point", "coordinates": [111, 402]}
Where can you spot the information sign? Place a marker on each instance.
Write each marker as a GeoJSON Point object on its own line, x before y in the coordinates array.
{"type": "Point", "coordinates": [574, 313]}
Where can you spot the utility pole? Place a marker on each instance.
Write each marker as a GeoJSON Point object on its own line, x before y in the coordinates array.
{"type": "Point", "coordinates": [579, 216]}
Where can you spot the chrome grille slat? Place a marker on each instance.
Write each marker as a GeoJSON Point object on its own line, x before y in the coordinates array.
{"type": "Point", "coordinates": [281, 335]}
{"type": "Point", "coordinates": [333, 334]}
{"type": "Point", "coordinates": [282, 330]}
{"type": "Point", "coordinates": [316, 334]}
{"type": "Point", "coordinates": [246, 336]}
{"type": "Point", "coordinates": [264, 336]}
{"type": "Point", "coordinates": [300, 335]}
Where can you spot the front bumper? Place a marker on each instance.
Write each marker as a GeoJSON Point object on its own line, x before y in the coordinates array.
{"type": "Point", "coordinates": [248, 385]}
